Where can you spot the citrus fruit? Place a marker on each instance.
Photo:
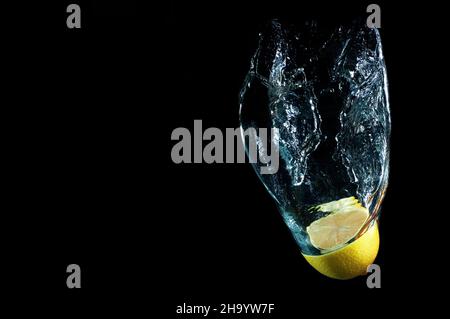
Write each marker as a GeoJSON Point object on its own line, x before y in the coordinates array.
{"type": "Point", "coordinates": [331, 235]}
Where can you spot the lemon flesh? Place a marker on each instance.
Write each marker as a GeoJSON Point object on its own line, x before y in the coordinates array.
{"type": "Point", "coordinates": [337, 228]}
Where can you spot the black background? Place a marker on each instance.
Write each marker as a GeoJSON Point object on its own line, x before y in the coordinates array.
{"type": "Point", "coordinates": [96, 186]}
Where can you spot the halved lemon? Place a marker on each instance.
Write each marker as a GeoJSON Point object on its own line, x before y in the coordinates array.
{"type": "Point", "coordinates": [331, 235]}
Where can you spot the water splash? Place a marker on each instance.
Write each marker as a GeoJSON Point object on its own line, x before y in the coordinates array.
{"type": "Point", "coordinates": [326, 92]}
